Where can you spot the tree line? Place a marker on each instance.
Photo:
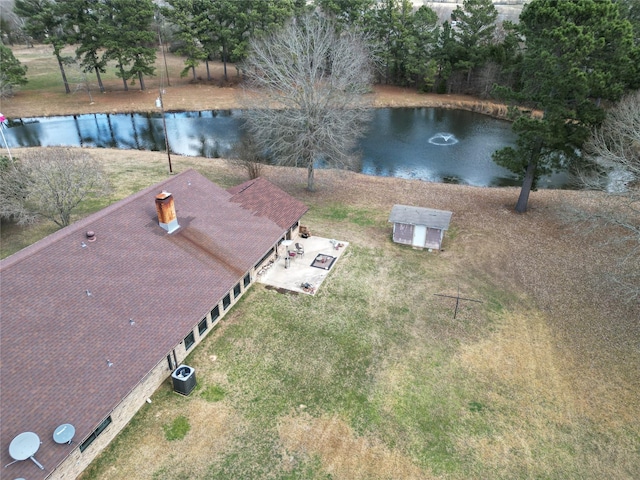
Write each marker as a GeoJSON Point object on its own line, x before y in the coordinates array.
{"type": "Point", "coordinates": [561, 68]}
{"type": "Point", "coordinates": [469, 53]}
{"type": "Point", "coordinates": [128, 33]}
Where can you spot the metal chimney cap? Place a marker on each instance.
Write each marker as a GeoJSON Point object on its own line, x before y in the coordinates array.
{"type": "Point", "coordinates": [164, 194]}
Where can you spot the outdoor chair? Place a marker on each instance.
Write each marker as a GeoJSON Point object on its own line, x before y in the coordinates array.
{"type": "Point", "coordinates": [299, 249]}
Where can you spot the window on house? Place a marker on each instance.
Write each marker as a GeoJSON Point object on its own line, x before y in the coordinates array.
{"type": "Point", "coordinates": [84, 445]}
{"type": "Point", "coordinates": [202, 326]}
{"type": "Point", "coordinates": [236, 291]}
{"type": "Point", "coordinates": [226, 301]}
{"type": "Point", "coordinates": [267, 255]}
{"type": "Point", "coordinates": [189, 340]}
{"type": "Point", "coordinates": [247, 280]}
{"type": "Point", "coordinates": [170, 362]}
{"type": "Point", "coordinates": [215, 313]}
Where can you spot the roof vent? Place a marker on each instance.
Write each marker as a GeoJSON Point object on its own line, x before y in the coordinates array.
{"type": "Point", "coordinates": [166, 212]}
{"type": "Point", "coordinates": [91, 236]}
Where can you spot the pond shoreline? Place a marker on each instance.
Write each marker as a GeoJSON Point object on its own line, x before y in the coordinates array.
{"type": "Point", "coordinates": [399, 142]}
{"type": "Point", "coordinates": [200, 97]}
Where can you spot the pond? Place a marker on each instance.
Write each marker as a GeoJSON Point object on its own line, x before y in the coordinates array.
{"type": "Point", "coordinates": [430, 144]}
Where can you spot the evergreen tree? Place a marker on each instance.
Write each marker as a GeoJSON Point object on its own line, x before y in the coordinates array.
{"type": "Point", "coordinates": [260, 18]}
{"type": "Point", "coordinates": [12, 72]}
{"type": "Point", "coordinates": [83, 22]}
{"type": "Point", "coordinates": [186, 16]}
{"type": "Point", "coordinates": [445, 53]}
{"type": "Point", "coordinates": [577, 53]}
{"type": "Point", "coordinates": [221, 25]}
{"type": "Point", "coordinates": [129, 39]}
{"type": "Point", "coordinates": [348, 13]}
{"type": "Point", "coordinates": [388, 27]}
{"type": "Point", "coordinates": [420, 45]}
{"type": "Point", "coordinates": [475, 25]}
{"type": "Point", "coordinates": [44, 23]}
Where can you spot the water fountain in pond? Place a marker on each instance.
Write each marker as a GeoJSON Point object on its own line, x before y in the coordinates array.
{"type": "Point", "coordinates": [443, 139]}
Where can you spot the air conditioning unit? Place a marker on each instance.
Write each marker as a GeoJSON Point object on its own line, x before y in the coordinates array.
{"type": "Point", "coordinates": [184, 379]}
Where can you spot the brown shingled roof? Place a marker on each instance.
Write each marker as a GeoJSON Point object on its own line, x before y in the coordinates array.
{"type": "Point", "coordinates": [56, 339]}
{"type": "Point", "coordinates": [266, 200]}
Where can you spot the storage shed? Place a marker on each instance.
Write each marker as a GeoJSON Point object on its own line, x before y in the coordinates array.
{"type": "Point", "coordinates": [419, 227]}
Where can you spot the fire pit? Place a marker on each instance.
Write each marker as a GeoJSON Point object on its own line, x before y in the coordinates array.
{"type": "Point", "coordinates": [323, 261]}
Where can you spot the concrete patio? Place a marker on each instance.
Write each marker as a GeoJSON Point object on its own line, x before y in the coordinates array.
{"type": "Point", "coordinates": [299, 269]}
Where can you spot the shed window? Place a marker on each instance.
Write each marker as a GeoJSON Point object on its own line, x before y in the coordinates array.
{"type": "Point", "coordinates": [189, 340]}
{"type": "Point", "coordinates": [236, 291]}
{"type": "Point", "coordinates": [215, 313]}
{"type": "Point", "coordinates": [226, 301]}
{"type": "Point", "coordinates": [202, 326]}
{"type": "Point", "coordinates": [247, 280]}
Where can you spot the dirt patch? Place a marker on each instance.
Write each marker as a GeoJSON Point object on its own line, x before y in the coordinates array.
{"type": "Point", "coordinates": [212, 425]}
{"type": "Point", "coordinates": [343, 454]}
{"type": "Point", "coordinates": [521, 352]}
{"type": "Point", "coordinates": [284, 291]}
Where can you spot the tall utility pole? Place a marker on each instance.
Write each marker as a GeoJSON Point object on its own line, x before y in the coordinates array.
{"type": "Point", "coordinates": [160, 100]}
{"type": "Point", "coordinates": [164, 54]}
{"type": "Point", "coordinates": [160, 105]}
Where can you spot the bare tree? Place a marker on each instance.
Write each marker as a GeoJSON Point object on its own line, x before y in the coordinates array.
{"type": "Point", "coordinates": [247, 156]}
{"type": "Point", "coordinates": [613, 167]}
{"type": "Point", "coordinates": [305, 100]}
{"type": "Point", "coordinates": [615, 146]}
{"type": "Point", "coordinates": [49, 183]}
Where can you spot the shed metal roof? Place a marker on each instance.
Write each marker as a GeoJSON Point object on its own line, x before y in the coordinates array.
{"type": "Point", "coordinates": [429, 217]}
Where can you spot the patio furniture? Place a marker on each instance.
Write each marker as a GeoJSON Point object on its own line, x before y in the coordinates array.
{"type": "Point", "coordinates": [292, 255]}
{"type": "Point", "coordinates": [304, 231]}
{"type": "Point", "coordinates": [299, 249]}
{"type": "Point", "coordinates": [308, 287]}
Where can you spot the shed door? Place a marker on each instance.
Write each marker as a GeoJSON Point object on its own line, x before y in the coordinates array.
{"type": "Point", "coordinates": [419, 235]}
{"type": "Point", "coordinates": [434, 237]}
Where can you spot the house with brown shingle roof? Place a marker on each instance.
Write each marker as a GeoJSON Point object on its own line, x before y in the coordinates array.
{"type": "Point", "coordinates": [96, 316]}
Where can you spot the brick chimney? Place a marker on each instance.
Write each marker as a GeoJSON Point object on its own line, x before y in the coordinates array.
{"type": "Point", "coordinates": [166, 212]}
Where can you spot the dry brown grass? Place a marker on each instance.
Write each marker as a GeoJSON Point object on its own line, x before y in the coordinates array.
{"type": "Point", "coordinates": [563, 342]}
{"type": "Point", "coordinates": [212, 428]}
{"type": "Point", "coordinates": [344, 455]}
{"type": "Point", "coordinates": [592, 330]}
{"type": "Point", "coordinates": [560, 363]}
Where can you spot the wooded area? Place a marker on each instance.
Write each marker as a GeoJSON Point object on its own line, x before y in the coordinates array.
{"type": "Point", "coordinates": [566, 61]}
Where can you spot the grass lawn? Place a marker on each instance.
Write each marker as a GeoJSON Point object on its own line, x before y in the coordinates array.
{"type": "Point", "coordinates": [372, 378]}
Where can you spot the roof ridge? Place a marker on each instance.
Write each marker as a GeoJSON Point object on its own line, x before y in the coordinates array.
{"type": "Point", "coordinates": [249, 184]}
{"type": "Point", "coordinates": [76, 226]}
